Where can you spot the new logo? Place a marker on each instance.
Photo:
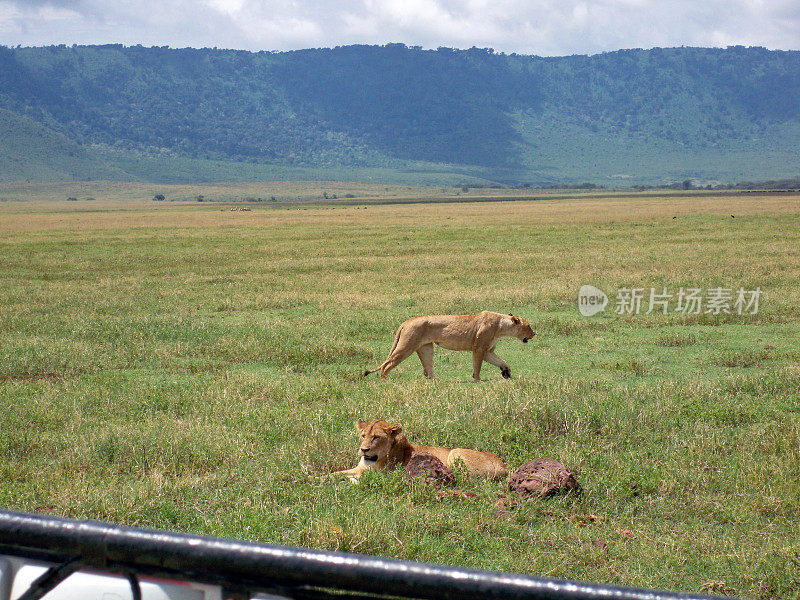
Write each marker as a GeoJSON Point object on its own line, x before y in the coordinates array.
{"type": "Point", "coordinates": [591, 300]}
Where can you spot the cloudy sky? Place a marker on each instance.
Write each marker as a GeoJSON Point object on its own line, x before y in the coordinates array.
{"type": "Point", "coordinates": [543, 27]}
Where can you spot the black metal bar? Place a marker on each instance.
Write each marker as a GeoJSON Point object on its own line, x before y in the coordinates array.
{"type": "Point", "coordinates": [136, 589]}
{"type": "Point", "coordinates": [264, 567]}
{"type": "Point", "coordinates": [51, 578]}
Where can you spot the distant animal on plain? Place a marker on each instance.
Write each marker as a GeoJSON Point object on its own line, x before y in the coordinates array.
{"type": "Point", "coordinates": [478, 334]}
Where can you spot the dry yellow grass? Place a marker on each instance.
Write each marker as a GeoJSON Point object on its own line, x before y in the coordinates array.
{"type": "Point", "coordinates": [132, 207]}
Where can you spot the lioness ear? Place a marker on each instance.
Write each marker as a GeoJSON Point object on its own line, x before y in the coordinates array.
{"type": "Point", "coordinates": [514, 319]}
{"type": "Point", "coordinates": [360, 424]}
{"type": "Point", "coordinates": [394, 429]}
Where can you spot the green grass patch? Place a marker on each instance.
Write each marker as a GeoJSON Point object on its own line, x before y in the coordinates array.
{"type": "Point", "coordinates": [199, 370]}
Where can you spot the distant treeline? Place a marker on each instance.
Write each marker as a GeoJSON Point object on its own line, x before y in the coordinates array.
{"type": "Point", "coordinates": [687, 184]}
{"type": "Point", "coordinates": [778, 184]}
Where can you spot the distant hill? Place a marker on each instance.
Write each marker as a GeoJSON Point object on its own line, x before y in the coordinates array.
{"type": "Point", "coordinates": [394, 112]}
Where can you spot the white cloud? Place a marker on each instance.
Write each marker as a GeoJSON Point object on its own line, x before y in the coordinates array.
{"type": "Point", "coordinates": [542, 27]}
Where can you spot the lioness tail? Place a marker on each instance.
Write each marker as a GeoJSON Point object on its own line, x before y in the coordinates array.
{"type": "Point", "coordinates": [396, 339]}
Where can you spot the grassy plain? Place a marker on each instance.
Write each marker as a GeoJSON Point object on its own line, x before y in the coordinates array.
{"type": "Point", "coordinates": [177, 365]}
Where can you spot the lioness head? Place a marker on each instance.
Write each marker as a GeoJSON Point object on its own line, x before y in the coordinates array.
{"type": "Point", "coordinates": [521, 328]}
{"type": "Point", "coordinates": [377, 438]}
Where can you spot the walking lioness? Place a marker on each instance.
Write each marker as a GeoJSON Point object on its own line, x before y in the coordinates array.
{"type": "Point", "coordinates": [476, 333]}
{"type": "Point", "coordinates": [384, 447]}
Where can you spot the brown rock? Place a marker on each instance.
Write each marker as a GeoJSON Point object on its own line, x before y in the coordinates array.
{"type": "Point", "coordinates": [541, 477]}
{"type": "Point", "coordinates": [429, 469]}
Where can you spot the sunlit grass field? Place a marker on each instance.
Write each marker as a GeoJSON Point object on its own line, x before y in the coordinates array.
{"type": "Point", "coordinates": [182, 366]}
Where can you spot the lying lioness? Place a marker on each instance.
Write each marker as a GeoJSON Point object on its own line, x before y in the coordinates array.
{"type": "Point", "coordinates": [384, 447]}
{"type": "Point", "coordinates": [475, 333]}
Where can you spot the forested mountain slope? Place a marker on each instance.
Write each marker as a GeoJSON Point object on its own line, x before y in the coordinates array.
{"type": "Point", "coordinates": [628, 116]}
